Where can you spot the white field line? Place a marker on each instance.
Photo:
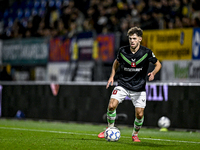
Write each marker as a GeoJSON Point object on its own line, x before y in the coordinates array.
{"type": "Point", "coordinates": [62, 132]}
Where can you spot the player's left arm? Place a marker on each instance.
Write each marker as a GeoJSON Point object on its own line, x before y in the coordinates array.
{"type": "Point", "coordinates": [156, 69]}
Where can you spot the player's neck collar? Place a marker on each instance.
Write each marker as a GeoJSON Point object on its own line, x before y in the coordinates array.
{"type": "Point", "coordinates": [135, 50]}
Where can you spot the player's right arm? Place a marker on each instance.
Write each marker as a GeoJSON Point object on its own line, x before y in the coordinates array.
{"type": "Point", "coordinates": [113, 72]}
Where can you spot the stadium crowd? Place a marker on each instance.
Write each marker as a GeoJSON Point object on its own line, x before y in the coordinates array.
{"type": "Point", "coordinates": [104, 16]}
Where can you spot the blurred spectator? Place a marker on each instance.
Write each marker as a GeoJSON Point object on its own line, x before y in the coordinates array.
{"type": "Point", "coordinates": [40, 30]}
{"type": "Point", "coordinates": [47, 32]}
{"type": "Point", "coordinates": [54, 16]}
{"type": "Point", "coordinates": [88, 25]}
{"type": "Point", "coordinates": [61, 28]}
{"type": "Point", "coordinates": [65, 16]}
{"type": "Point", "coordinates": [195, 22]}
{"type": "Point", "coordinates": [73, 16]}
{"type": "Point", "coordinates": [175, 8]}
{"type": "Point", "coordinates": [102, 19]}
{"type": "Point", "coordinates": [28, 33]}
{"type": "Point", "coordinates": [29, 29]}
{"type": "Point", "coordinates": [186, 8]}
{"type": "Point", "coordinates": [178, 23]}
{"type": "Point", "coordinates": [53, 33]}
{"type": "Point", "coordinates": [145, 21]}
{"type": "Point", "coordinates": [17, 29]}
{"type": "Point", "coordinates": [113, 24]}
{"type": "Point", "coordinates": [186, 21]}
{"type": "Point", "coordinates": [134, 14]}
{"type": "Point", "coordinates": [123, 10]}
{"type": "Point", "coordinates": [165, 10]}
{"type": "Point", "coordinates": [72, 29]}
{"type": "Point", "coordinates": [82, 5]}
{"type": "Point", "coordinates": [79, 19]}
{"type": "Point", "coordinates": [195, 9]}
{"type": "Point", "coordinates": [170, 24]}
{"type": "Point", "coordinates": [124, 26]}
{"type": "Point", "coordinates": [35, 24]}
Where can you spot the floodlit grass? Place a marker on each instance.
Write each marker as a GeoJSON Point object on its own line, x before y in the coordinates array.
{"type": "Point", "coordinates": [43, 135]}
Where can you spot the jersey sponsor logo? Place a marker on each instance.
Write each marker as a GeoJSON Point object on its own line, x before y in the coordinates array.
{"type": "Point", "coordinates": [133, 60]}
{"type": "Point", "coordinates": [132, 69]}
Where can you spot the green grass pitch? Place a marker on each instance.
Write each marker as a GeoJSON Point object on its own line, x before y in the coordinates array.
{"type": "Point", "coordinates": [44, 135]}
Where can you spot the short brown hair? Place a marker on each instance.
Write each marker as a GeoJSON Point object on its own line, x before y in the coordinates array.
{"type": "Point", "coordinates": [135, 30]}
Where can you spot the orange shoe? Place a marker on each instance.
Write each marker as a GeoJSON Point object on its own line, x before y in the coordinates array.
{"type": "Point", "coordinates": [101, 135]}
{"type": "Point", "coordinates": [135, 138]}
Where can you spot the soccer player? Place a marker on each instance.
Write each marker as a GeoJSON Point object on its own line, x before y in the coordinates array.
{"type": "Point", "coordinates": [133, 62]}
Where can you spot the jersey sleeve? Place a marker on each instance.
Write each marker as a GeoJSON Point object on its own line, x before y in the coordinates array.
{"type": "Point", "coordinates": [152, 57]}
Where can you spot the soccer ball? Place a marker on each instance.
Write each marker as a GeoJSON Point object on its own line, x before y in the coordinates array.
{"type": "Point", "coordinates": [112, 134]}
{"type": "Point", "coordinates": [164, 122]}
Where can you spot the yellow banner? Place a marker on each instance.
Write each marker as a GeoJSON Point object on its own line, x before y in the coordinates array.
{"type": "Point", "coordinates": [172, 44]}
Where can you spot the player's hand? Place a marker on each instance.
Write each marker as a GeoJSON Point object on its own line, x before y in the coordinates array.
{"type": "Point", "coordinates": [110, 82]}
{"type": "Point", "coordinates": [151, 76]}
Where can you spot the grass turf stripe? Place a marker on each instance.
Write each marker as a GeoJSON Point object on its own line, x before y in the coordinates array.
{"type": "Point", "coordinates": [62, 132]}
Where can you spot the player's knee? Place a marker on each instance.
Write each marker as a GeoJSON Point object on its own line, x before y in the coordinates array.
{"type": "Point", "coordinates": [113, 104]}
{"type": "Point", "coordinates": [139, 115]}
{"type": "Point", "coordinates": [111, 107]}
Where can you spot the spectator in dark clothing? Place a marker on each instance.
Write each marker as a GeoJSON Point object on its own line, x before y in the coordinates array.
{"type": "Point", "coordinates": [104, 15]}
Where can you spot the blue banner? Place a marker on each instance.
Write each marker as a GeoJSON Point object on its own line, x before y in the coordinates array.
{"type": "Point", "coordinates": [85, 45]}
{"type": "Point", "coordinates": [196, 44]}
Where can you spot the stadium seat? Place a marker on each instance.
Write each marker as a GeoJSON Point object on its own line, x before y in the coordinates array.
{"type": "Point", "coordinates": [29, 4]}
{"type": "Point", "coordinates": [37, 4]}
{"type": "Point", "coordinates": [6, 14]}
{"type": "Point", "coordinates": [34, 12]}
{"type": "Point", "coordinates": [27, 13]}
{"type": "Point", "coordinates": [24, 22]}
{"type": "Point", "coordinates": [43, 3]}
{"type": "Point", "coordinates": [65, 2]}
{"type": "Point", "coordinates": [58, 3]}
{"type": "Point", "coordinates": [20, 13]}
{"type": "Point", "coordinates": [10, 22]}
{"type": "Point", "coordinates": [8, 31]}
{"type": "Point", "coordinates": [41, 12]}
{"type": "Point", "coordinates": [51, 3]}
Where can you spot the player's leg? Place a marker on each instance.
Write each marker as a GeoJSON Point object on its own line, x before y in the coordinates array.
{"type": "Point", "coordinates": [139, 101]}
{"type": "Point", "coordinates": [139, 119]}
{"type": "Point", "coordinates": [111, 113]}
{"type": "Point", "coordinates": [117, 96]}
